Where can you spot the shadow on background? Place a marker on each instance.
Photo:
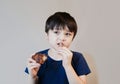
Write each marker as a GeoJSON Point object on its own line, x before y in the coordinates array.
{"type": "Point", "coordinates": [92, 78]}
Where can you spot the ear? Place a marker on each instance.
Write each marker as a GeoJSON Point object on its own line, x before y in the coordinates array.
{"type": "Point", "coordinates": [47, 36]}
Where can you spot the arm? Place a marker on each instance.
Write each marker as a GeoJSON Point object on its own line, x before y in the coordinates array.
{"type": "Point", "coordinates": [33, 68]}
{"type": "Point", "coordinates": [73, 78]}
{"type": "Point", "coordinates": [32, 80]}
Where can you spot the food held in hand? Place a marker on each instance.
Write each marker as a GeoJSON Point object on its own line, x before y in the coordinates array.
{"type": "Point", "coordinates": [39, 58]}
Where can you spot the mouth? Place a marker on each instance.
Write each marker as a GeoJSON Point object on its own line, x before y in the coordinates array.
{"type": "Point", "coordinates": [60, 44]}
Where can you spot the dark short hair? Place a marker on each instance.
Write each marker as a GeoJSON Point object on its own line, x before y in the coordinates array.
{"type": "Point", "coordinates": [61, 19]}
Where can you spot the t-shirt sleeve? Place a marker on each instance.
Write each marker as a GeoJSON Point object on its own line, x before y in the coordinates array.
{"type": "Point", "coordinates": [80, 65]}
{"type": "Point", "coordinates": [26, 70]}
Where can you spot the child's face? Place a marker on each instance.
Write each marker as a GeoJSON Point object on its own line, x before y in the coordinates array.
{"type": "Point", "coordinates": [60, 38]}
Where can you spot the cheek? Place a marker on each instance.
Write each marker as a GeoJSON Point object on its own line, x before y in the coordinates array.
{"type": "Point", "coordinates": [51, 40]}
{"type": "Point", "coordinates": [68, 43]}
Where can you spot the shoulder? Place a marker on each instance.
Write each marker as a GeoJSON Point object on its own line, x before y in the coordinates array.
{"type": "Point", "coordinates": [78, 59]}
{"type": "Point", "coordinates": [79, 64]}
{"type": "Point", "coordinates": [77, 55]}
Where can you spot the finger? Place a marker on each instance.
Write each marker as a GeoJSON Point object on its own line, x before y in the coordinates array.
{"type": "Point", "coordinates": [67, 50]}
{"type": "Point", "coordinates": [63, 53]}
{"type": "Point", "coordinates": [30, 65]}
{"type": "Point", "coordinates": [33, 65]}
{"type": "Point", "coordinates": [30, 60]}
{"type": "Point", "coordinates": [64, 50]}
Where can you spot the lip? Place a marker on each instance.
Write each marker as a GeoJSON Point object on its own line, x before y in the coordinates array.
{"type": "Point", "coordinates": [60, 44]}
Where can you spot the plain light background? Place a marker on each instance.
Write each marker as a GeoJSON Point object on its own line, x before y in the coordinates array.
{"type": "Point", "coordinates": [22, 33]}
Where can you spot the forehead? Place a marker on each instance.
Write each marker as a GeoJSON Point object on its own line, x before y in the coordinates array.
{"type": "Point", "coordinates": [64, 28]}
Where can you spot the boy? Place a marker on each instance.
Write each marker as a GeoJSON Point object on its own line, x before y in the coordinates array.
{"type": "Point", "coordinates": [62, 66]}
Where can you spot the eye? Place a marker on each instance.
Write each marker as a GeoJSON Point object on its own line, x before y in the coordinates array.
{"type": "Point", "coordinates": [68, 34]}
{"type": "Point", "coordinates": [56, 32]}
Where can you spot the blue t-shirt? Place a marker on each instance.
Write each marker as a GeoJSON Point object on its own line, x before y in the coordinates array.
{"type": "Point", "coordinates": [52, 72]}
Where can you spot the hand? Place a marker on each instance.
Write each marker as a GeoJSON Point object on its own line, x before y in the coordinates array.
{"type": "Point", "coordinates": [66, 56]}
{"type": "Point", "coordinates": [33, 67]}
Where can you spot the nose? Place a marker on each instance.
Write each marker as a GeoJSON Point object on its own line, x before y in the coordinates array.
{"type": "Point", "coordinates": [61, 37]}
